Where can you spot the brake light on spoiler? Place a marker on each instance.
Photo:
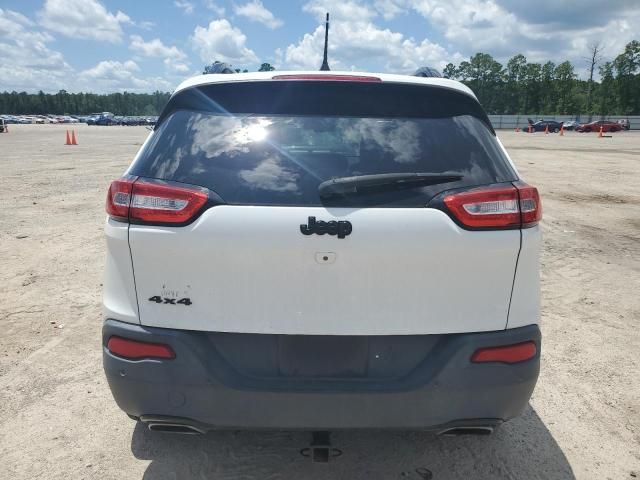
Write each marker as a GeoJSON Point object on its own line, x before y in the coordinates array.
{"type": "Point", "coordinates": [327, 78]}
{"type": "Point", "coordinates": [149, 201]}
{"type": "Point", "coordinates": [511, 206]}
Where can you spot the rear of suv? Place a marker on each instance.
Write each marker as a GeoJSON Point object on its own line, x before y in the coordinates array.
{"type": "Point", "coordinates": [321, 251]}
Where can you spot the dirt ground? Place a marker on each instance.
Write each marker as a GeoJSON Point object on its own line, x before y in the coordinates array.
{"type": "Point", "coordinates": [57, 417]}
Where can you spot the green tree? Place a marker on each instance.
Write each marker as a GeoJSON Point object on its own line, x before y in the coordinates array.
{"type": "Point", "coordinates": [564, 81]}
{"type": "Point", "coordinates": [266, 67]}
{"type": "Point", "coordinates": [548, 94]}
{"type": "Point", "coordinates": [514, 88]}
{"type": "Point", "coordinates": [626, 67]}
{"type": "Point", "coordinates": [532, 83]}
{"type": "Point", "coordinates": [605, 93]}
{"type": "Point", "coordinates": [484, 75]}
{"type": "Point", "coordinates": [450, 71]}
{"type": "Point", "coordinates": [60, 103]}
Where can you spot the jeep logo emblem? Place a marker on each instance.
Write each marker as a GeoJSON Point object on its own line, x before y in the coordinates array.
{"type": "Point", "coordinates": [340, 228]}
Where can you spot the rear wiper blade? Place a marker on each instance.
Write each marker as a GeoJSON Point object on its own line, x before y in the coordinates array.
{"type": "Point", "coordinates": [383, 181]}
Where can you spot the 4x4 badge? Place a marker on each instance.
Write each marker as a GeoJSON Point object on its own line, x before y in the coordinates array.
{"type": "Point", "coordinates": [341, 228]}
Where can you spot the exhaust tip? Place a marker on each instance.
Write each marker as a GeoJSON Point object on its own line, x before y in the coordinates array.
{"type": "Point", "coordinates": [175, 428]}
{"type": "Point", "coordinates": [459, 431]}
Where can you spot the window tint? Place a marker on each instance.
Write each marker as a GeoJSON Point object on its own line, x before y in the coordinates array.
{"type": "Point", "coordinates": [280, 159]}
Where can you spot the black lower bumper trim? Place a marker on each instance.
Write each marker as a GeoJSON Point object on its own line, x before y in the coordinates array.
{"type": "Point", "coordinates": [200, 385]}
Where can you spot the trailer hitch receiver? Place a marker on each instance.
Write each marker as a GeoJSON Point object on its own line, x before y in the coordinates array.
{"type": "Point", "coordinates": [320, 449]}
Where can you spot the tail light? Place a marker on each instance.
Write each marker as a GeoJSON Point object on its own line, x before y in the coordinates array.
{"type": "Point", "coordinates": [136, 350]}
{"type": "Point", "coordinates": [119, 197]}
{"type": "Point", "coordinates": [496, 207]}
{"type": "Point", "coordinates": [146, 201]}
{"type": "Point", "coordinates": [519, 352]}
{"type": "Point", "coordinates": [530, 206]}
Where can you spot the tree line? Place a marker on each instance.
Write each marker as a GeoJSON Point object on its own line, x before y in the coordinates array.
{"type": "Point", "coordinates": [520, 87]}
{"type": "Point", "coordinates": [126, 103]}
{"type": "Point", "coordinates": [63, 102]}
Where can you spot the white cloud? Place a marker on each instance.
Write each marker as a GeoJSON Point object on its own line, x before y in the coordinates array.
{"type": "Point", "coordinates": [543, 30]}
{"type": "Point", "coordinates": [546, 30]}
{"type": "Point", "coordinates": [476, 23]}
{"type": "Point", "coordinates": [12, 23]}
{"type": "Point", "coordinates": [214, 7]}
{"type": "Point", "coordinates": [186, 6]}
{"type": "Point", "coordinates": [256, 12]}
{"type": "Point", "coordinates": [389, 9]}
{"type": "Point", "coordinates": [87, 19]}
{"type": "Point", "coordinates": [174, 58]}
{"type": "Point", "coordinates": [356, 39]}
{"type": "Point", "coordinates": [112, 75]}
{"type": "Point", "coordinates": [341, 10]}
{"type": "Point", "coordinates": [111, 69]}
{"type": "Point", "coordinates": [26, 62]}
{"type": "Point", "coordinates": [155, 48]}
{"type": "Point", "coordinates": [221, 41]}
{"type": "Point", "coordinates": [176, 66]}
{"type": "Point", "coordinates": [146, 25]}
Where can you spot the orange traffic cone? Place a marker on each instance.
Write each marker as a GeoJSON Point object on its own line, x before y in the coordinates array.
{"type": "Point", "coordinates": [546, 129]}
{"type": "Point", "coordinates": [68, 142]}
{"type": "Point", "coordinates": [561, 130]}
{"type": "Point", "coordinates": [73, 137]}
{"type": "Point", "coordinates": [600, 133]}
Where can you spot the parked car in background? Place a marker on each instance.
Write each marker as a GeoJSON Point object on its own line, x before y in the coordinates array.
{"type": "Point", "coordinates": [626, 124]}
{"type": "Point", "coordinates": [133, 121]}
{"type": "Point", "coordinates": [108, 121]}
{"type": "Point", "coordinates": [606, 125]}
{"type": "Point", "coordinates": [3, 126]}
{"type": "Point", "coordinates": [570, 125]}
{"type": "Point", "coordinates": [542, 125]}
{"type": "Point", "coordinates": [84, 118]}
{"type": "Point", "coordinates": [67, 119]}
{"type": "Point", "coordinates": [102, 119]}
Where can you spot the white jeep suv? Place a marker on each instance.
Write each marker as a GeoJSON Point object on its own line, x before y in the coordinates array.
{"type": "Point", "coordinates": [322, 250]}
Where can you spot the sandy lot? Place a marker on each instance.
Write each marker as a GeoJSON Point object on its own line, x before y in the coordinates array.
{"type": "Point", "coordinates": [57, 417]}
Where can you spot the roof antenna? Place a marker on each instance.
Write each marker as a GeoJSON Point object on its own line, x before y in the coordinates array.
{"type": "Point", "coordinates": [325, 63]}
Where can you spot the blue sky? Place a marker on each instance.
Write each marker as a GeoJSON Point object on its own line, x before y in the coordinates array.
{"type": "Point", "coordinates": [115, 45]}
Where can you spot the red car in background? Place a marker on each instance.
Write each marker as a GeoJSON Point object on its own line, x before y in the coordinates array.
{"type": "Point", "coordinates": [607, 126]}
{"type": "Point", "coordinates": [625, 124]}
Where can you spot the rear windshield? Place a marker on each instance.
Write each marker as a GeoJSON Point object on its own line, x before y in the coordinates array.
{"type": "Point", "coordinates": [276, 144]}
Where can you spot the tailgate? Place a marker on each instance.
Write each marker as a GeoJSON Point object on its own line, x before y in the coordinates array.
{"type": "Point", "coordinates": [250, 269]}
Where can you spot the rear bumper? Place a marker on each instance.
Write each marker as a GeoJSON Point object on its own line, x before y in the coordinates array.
{"type": "Point", "coordinates": [444, 388]}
